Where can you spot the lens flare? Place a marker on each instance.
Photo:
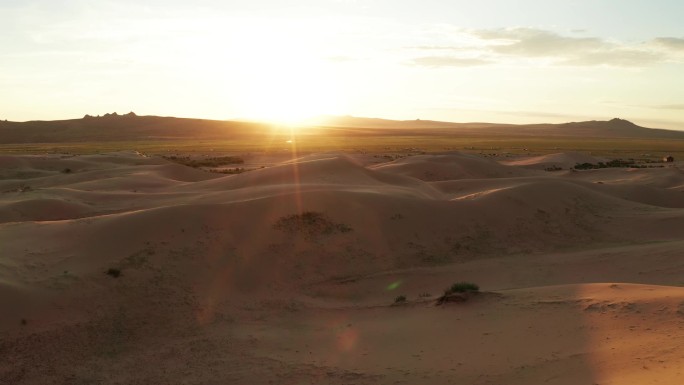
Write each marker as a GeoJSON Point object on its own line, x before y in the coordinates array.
{"type": "Point", "coordinates": [393, 286]}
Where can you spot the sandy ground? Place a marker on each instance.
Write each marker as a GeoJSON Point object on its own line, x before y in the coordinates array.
{"type": "Point", "coordinates": [289, 274]}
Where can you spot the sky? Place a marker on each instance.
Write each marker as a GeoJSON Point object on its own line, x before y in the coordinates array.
{"type": "Point", "coordinates": [524, 61]}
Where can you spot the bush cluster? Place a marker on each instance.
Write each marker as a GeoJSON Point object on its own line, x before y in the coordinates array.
{"type": "Point", "coordinates": [462, 287]}
{"type": "Point", "coordinates": [612, 163]}
{"type": "Point", "coordinates": [206, 162]}
{"type": "Point", "coordinates": [311, 224]}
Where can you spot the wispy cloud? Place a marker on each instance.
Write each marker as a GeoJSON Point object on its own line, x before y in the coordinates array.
{"type": "Point", "coordinates": [543, 115]}
{"type": "Point", "coordinates": [507, 45]}
{"type": "Point", "coordinates": [531, 42]}
{"type": "Point", "coordinates": [448, 61]}
{"type": "Point", "coordinates": [669, 107]}
{"type": "Point", "coordinates": [670, 42]}
{"type": "Point", "coordinates": [616, 57]}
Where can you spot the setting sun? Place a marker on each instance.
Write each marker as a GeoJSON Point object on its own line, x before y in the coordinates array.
{"type": "Point", "coordinates": [283, 79]}
{"type": "Point", "coordinates": [296, 90]}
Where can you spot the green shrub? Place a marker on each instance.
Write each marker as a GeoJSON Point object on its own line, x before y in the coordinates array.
{"type": "Point", "coordinates": [205, 162]}
{"type": "Point", "coordinates": [462, 287]}
{"type": "Point", "coordinates": [458, 292]}
{"type": "Point", "coordinates": [311, 224]}
{"type": "Point", "coordinates": [612, 163]}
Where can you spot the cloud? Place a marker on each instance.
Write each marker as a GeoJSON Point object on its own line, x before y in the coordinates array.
{"type": "Point", "coordinates": [566, 50]}
{"type": "Point", "coordinates": [531, 42]}
{"type": "Point", "coordinates": [669, 107]}
{"type": "Point", "coordinates": [539, 114]}
{"type": "Point", "coordinates": [448, 61]}
{"type": "Point", "coordinates": [619, 57]}
{"type": "Point", "coordinates": [670, 42]}
{"type": "Point", "coordinates": [508, 45]}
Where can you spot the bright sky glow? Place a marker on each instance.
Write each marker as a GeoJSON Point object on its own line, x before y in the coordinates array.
{"type": "Point", "coordinates": [286, 60]}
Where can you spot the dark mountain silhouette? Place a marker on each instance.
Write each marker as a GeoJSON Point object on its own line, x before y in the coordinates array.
{"type": "Point", "coordinates": [614, 128]}
{"type": "Point", "coordinates": [128, 127]}
{"type": "Point", "coordinates": [131, 127]}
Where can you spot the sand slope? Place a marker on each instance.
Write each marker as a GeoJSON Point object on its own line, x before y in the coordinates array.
{"type": "Point", "coordinates": [559, 160]}
{"type": "Point", "coordinates": [450, 167]}
{"type": "Point", "coordinates": [222, 283]}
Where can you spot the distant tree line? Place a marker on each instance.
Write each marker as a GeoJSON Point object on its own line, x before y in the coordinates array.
{"type": "Point", "coordinates": [610, 164]}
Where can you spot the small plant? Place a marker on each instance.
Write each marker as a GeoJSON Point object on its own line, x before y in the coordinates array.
{"type": "Point", "coordinates": [343, 228]}
{"type": "Point", "coordinates": [230, 171]}
{"type": "Point", "coordinates": [114, 273]}
{"type": "Point", "coordinates": [311, 225]}
{"type": "Point", "coordinates": [206, 162]}
{"type": "Point", "coordinates": [458, 292]}
{"type": "Point", "coordinates": [462, 287]}
{"type": "Point", "coordinates": [400, 299]}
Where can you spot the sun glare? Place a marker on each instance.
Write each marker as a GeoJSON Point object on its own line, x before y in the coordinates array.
{"type": "Point", "coordinates": [285, 82]}
{"type": "Point", "coordinates": [290, 94]}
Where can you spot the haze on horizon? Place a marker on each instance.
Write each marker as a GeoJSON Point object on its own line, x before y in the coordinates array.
{"type": "Point", "coordinates": [498, 61]}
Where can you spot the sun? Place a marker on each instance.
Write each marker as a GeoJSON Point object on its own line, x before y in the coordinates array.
{"type": "Point", "coordinates": [287, 85]}
{"type": "Point", "coordinates": [290, 94]}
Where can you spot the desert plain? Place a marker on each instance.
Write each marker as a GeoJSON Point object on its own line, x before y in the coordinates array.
{"type": "Point", "coordinates": [325, 265]}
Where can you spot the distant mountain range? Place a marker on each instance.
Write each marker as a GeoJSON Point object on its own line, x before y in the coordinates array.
{"type": "Point", "coordinates": [594, 128]}
{"type": "Point", "coordinates": [131, 127]}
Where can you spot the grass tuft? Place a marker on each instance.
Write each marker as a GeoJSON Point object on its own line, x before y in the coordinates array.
{"type": "Point", "coordinates": [462, 287]}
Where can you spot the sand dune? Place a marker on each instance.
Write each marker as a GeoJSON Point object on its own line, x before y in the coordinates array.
{"type": "Point", "coordinates": [560, 160]}
{"type": "Point", "coordinates": [42, 210]}
{"type": "Point", "coordinates": [450, 167]}
{"type": "Point", "coordinates": [664, 178]}
{"type": "Point", "coordinates": [636, 192]}
{"type": "Point", "coordinates": [221, 278]}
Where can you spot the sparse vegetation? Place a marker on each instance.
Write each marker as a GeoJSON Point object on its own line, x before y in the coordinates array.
{"type": "Point", "coordinates": [310, 224]}
{"type": "Point", "coordinates": [462, 287]}
{"type": "Point", "coordinates": [206, 162]}
{"type": "Point", "coordinates": [400, 300]}
{"type": "Point", "coordinates": [113, 272]}
{"type": "Point", "coordinates": [66, 171]}
{"type": "Point", "coordinates": [138, 260]}
{"type": "Point", "coordinates": [613, 163]}
{"type": "Point", "coordinates": [458, 292]}
{"type": "Point", "coordinates": [230, 171]}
